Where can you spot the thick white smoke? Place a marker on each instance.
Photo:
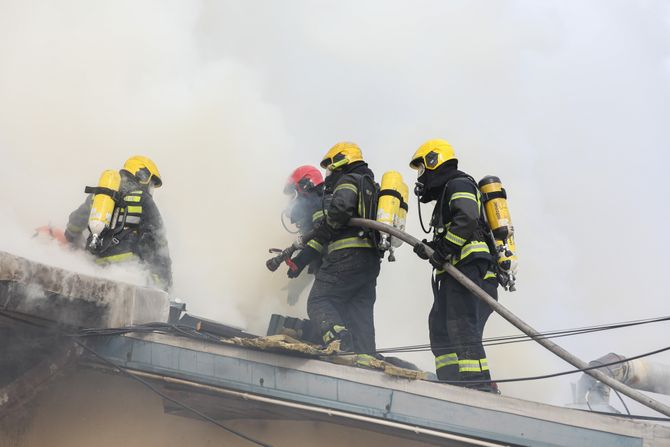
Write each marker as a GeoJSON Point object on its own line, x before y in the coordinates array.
{"type": "Point", "coordinates": [566, 101]}
{"type": "Point", "coordinates": [85, 86]}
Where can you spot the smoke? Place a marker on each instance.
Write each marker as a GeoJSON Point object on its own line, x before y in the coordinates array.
{"type": "Point", "coordinates": [567, 102]}
{"type": "Point", "coordinates": [85, 86]}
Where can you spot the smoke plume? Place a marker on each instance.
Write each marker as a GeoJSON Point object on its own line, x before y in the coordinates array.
{"type": "Point", "coordinates": [567, 102]}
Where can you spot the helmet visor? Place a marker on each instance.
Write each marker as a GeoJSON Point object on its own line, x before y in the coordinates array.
{"type": "Point", "coordinates": [326, 162]}
{"type": "Point", "coordinates": [432, 160]}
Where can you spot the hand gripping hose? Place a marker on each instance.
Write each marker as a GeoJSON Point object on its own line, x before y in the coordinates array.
{"type": "Point", "coordinates": [273, 263]}
{"type": "Point", "coordinates": [517, 322]}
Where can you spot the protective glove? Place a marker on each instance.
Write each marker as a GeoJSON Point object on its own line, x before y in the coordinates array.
{"type": "Point", "coordinates": [322, 232]}
{"type": "Point", "coordinates": [444, 252]}
{"type": "Point", "coordinates": [439, 259]}
{"type": "Point", "coordinates": [298, 263]}
{"type": "Point", "coordinates": [420, 249]}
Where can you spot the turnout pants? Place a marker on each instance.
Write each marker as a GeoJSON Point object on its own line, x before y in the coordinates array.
{"type": "Point", "coordinates": [344, 293]}
{"type": "Point", "coordinates": [456, 324]}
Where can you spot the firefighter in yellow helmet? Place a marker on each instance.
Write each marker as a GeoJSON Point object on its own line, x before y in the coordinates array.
{"type": "Point", "coordinates": [457, 318]}
{"type": "Point", "coordinates": [136, 231]}
{"type": "Point", "coordinates": [342, 298]}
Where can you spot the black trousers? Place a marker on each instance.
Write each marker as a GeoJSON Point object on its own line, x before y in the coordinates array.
{"type": "Point", "coordinates": [456, 323]}
{"type": "Point", "coordinates": [344, 294]}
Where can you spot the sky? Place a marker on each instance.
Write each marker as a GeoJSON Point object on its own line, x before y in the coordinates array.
{"type": "Point", "coordinates": [567, 102]}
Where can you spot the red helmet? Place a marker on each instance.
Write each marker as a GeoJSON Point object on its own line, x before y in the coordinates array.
{"type": "Point", "coordinates": [302, 179]}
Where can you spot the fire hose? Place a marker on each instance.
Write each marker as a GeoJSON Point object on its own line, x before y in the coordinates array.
{"type": "Point", "coordinates": [517, 322]}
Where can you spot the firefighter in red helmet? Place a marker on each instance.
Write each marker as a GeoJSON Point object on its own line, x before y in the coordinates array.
{"type": "Point", "coordinates": [305, 185]}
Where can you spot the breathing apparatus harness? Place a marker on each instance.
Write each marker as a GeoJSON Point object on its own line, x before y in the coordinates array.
{"type": "Point", "coordinates": [437, 220]}
{"type": "Point", "coordinates": [368, 187]}
{"type": "Point", "coordinates": [495, 233]}
{"type": "Point", "coordinates": [366, 207]}
{"type": "Point", "coordinates": [419, 191]}
{"type": "Point", "coordinates": [119, 227]}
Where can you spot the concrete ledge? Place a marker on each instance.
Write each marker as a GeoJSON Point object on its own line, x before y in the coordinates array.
{"type": "Point", "coordinates": [374, 394]}
{"type": "Point", "coordinates": [50, 293]}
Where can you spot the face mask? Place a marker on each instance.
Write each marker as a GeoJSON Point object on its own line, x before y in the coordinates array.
{"type": "Point", "coordinates": [424, 187]}
{"type": "Point", "coordinates": [420, 185]}
{"type": "Point", "coordinates": [418, 189]}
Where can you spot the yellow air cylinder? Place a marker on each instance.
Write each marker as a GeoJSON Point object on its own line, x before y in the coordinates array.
{"type": "Point", "coordinates": [498, 217]}
{"type": "Point", "coordinates": [401, 221]}
{"type": "Point", "coordinates": [388, 206]}
{"type": "Point", "coordinates": [103, 203]}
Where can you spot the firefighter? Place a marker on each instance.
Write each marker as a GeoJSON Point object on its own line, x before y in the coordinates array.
{"type": "Point", "coordinates": [139, 234]}
{"type": "Point", "coordinates": [342, 299]}
{"type": "Point", "coordinates": [306, 186]}
{"type": "Point", "coordinates": [457, 318]}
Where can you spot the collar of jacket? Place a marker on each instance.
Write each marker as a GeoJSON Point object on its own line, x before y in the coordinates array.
{"type": "Point", "coordinates": [357, 167]}
{"type": "Point", "coordinates": [434, 181]}
{"type": "Point", "coordinates": [129, 183]}
{"type": "Point", "coordinates": [312, 191]}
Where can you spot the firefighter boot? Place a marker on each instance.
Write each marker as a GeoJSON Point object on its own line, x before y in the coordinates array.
{"type": "Point", "coordinates": [339, 333]}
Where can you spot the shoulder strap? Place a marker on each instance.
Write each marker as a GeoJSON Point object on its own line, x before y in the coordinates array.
{"type": "Point", "coordinates": [101, 190]}
{"type": "Point", "coordinates": [367, 191]}
{"type": "Point", "coordinates": [440, 203]}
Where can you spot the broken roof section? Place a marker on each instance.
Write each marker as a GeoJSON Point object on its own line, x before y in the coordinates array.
{"type": "Point", "coordinates": [39, 291]}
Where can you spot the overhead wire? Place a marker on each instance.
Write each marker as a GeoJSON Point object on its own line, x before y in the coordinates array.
{"type": "Point", "coordinates": [148, 385]}
{"type": "Point", "coordinates": [520, 338]}
{"type": "Point", "coordinates": [192, 333]}
{"type": "Point", "coordinates": [152, 327]}
{"type": "Point", "coordinates": [623, 402]}
{"type": "Point", "coordinates": [552, 375]}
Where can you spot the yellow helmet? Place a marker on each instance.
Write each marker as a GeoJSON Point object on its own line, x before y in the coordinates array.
{"type": "Point", "coordinates": [144, 170]}
{"type": "Point", "coordinates": [341, 154]}
{"type": "Point", "coordinates": [432, 154]}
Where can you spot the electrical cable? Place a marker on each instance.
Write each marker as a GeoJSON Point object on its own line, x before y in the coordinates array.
{"type": "Point", "coordinates": [156, 327]}
{"type": "Point", "coordinates": [627, 416]}
{"type": "Point", "coordinates": [125, 372]}
{"type": "Point", "coordinates": [507, 339]}
{"type": "Point", "coordinates": [549, 376]}
{"type": "Point", "coordinates": [142, 381]}
{"type": "Point", "coordinates": [491, 341]}
{"type": "Point", "coordinates": [191, 333]}
{"type": "Point", "coordinates": [623, 402]}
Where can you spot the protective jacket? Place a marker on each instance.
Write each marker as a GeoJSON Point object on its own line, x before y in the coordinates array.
{"type": "Point", "coordinates": [457, 221]}
{"type": "Point", "coordinates": [139, 233]}
{"type": "Point", "coordinates": [342, 201]}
